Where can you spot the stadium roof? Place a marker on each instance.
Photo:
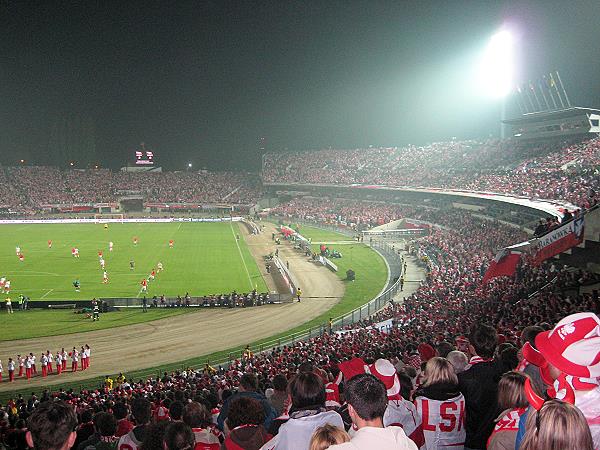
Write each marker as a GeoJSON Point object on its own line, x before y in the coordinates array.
{"type": "Point", "coordinates": [551, 115]}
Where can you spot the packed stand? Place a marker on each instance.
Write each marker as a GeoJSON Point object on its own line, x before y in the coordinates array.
{"type": "Point", "coordinates": [565, 171]}
{"type": "Point", "coordinates": [10, 195]}
{"type": "Point", "coordinates": [32, 187]}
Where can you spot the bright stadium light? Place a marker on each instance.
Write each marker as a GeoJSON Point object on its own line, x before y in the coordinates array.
{"type": "Point", "coordinates": [190, 165]}
{"type": "Point", "coordinates": [497, 65]}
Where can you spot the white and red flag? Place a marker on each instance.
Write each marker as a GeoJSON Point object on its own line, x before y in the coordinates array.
{"type": "Point", "coordinates": [504, 264]}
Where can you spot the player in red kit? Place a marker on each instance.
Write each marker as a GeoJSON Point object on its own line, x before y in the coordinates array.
{"type": "Point", "coordinates": [144, 285]}
{"type": "Point", "coordinates": [49, 243]}
{"type": "Point", "coordinates": [171, 243]}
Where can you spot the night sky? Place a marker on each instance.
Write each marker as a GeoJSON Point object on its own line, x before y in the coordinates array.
{"type": "Point", "coordinates": [203, 81]}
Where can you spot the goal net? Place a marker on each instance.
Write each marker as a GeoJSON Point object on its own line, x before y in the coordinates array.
{"type": "Point", "coordinates": [107, 218]}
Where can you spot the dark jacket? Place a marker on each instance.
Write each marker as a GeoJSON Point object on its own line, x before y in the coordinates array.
{"type": "Point", "coordinates": [247, 438]}
{"type": "Point", "coordinates": [269, 411]}
{"type": "Point", "coordinates": [479, 385]}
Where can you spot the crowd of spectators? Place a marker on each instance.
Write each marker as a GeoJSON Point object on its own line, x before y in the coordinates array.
{"type": "Point", "coordinates": [282, 396]}
{"type": "Point", "coordinates": [338, 211]}
{"type": "Point", "coordinates": [565, 171]}
{"type": "Point", "coordinates": [30, 187]}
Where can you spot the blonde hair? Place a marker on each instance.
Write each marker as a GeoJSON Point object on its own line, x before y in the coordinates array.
{"type": "Point", "coordinates": [557, 426]}
{"type": "Point", "coordinates": [439, 371]}
{"type": "Point", "coordinates": [511, 391]}
{"type": "Point", "coordinates": [326, 436]}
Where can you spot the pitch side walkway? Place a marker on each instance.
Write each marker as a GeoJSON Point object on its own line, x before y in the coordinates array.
{"type": "Point", "coordinates": [412, 277]}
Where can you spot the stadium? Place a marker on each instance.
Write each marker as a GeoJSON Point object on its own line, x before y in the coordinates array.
{"type": "Point", "coordinates": [251, 298]}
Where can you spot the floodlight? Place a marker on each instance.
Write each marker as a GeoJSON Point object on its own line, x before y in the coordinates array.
{"type": "Point", "coordinates": [190, 165]}
{"type": "Point", "coordinates": [497, 65]}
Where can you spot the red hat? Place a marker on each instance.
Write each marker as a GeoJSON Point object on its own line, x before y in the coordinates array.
{"type": "Point", "coordinates": [426, 351]}
{"type": "Point", "coordinates": [353, 367]}
{"type": "Point", "coordinates": [573, 345]}
{"type": "Point", "coordinates": [386, 372]}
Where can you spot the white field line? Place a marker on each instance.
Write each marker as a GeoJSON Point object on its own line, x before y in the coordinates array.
{"type": "Point", "coordinates": [43, 296]}
{"type": "Point", "coordinates": [241, 256]}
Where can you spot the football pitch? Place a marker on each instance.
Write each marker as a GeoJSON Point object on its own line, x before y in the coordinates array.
{"type": "Point", "coordinates": [206, 258]}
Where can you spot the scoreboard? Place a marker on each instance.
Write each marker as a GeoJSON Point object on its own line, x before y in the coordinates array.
{"type": "Point", "coordinates": [144, 157]}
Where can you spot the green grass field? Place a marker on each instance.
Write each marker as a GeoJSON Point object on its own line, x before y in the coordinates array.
{"type": "Point", "coordinates": [206, 259]}
{"type": "Point", "coordinates": [52, 322]}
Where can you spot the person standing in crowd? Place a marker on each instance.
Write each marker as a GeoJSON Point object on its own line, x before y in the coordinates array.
{"type": "Point", "coordinates": [88, 356]}
{"type": "Point", "coordinates": [248, 388]}
{"type": "Point", "coordinates": [400, 412]}
{"type": "Point", "coordinates": [279, 396]}
{"type": "Point", "coordinates": [557, 425]}
{"type": "Point", "coordinates": [479, 385]}
{"type": "Point", "coordinates": [307, 413]}
{"type": "Point", "coordinates": [50, 357]}
{"type": "Point", "coordinates": [59, 362]}
{"type": "Point", "coordinates": [44, 363]}
{"type": "Point", "coordinates": [512, 401]}
{"type": "Point", "coordinates": [528, 344]}
{"type": "Point", "coordinates": [569, 359]}
{"type": "Point", "coordinates": [178, 436]}
{"type": "Point", "coordinates": [74, 359]}
{"type": "Point", "coordinates": [11, 370]}
{"type": "Point", "coordinates": [51, 426]}
{"type": "Point", "coordinates": [105, 425]}
{"type": "Point", "coordinates": [326, 436]}
{"type": "Point", "coordinates": [21, 363]}
{"type": "Point", "coordinates": [141, 409]}
{"type": "Point", "coordinates": [28, 370]}
{"type": "Point", "coordinates": [441, 406]}
{"type": "Point", "coordinates": [124, 425]}
{"type": "Point", "coordinates": [243, 426]}
{"type": "Point", "coordinates": [367, 400]}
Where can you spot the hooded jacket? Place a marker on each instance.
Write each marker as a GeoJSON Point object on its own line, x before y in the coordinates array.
{"type": "Point", "coordinates": [296, 433]}
{"type": "Point", "coordinates": [246, 438]}
{"type": "Point", "coordinates": [442, 411]}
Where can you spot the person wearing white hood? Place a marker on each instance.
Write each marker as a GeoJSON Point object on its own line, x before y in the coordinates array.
{"type": "Point", "coordinates": [307, 413]}
{"type": "Point", "coordinates": [568, 357]}
{"type": "Point", "coordinates": [367, 401]}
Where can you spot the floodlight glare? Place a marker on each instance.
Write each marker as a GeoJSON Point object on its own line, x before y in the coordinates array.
{"type": "Point", "coordinates": [496, 69]}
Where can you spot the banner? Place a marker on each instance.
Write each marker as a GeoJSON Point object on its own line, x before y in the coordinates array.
{"type": "Point", "coordinates": [559, 240]}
